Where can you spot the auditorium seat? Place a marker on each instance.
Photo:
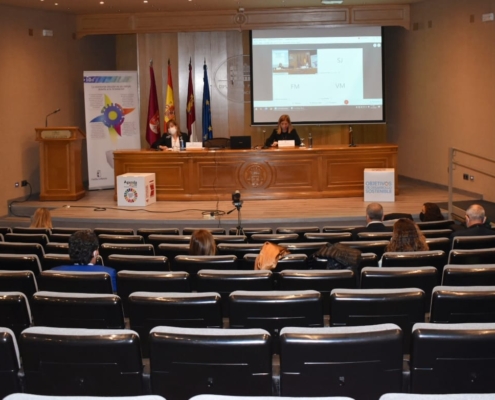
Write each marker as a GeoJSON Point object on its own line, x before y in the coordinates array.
{"type": "Point", "coordinates": [300, 230]}
{"type": "Point", "coordinates": [424, 278]}
{"type": "Point", "coordinates": [436, 233]}
{"type": "Point", "coordinates": [18, 281]}
{"type": "Point", "coordinates": [462, 396]}
{"type": "Point", "coordinates": [444, 244]}
{"type": "Point", "coordinates": [459, 304]}
{"type": "Point", "coordinates": [213, 231]}
{"type": "Point", "coordinates": [328, 237]}
{"type": "Point", "coordinates": [455, 358]}
{"type": "Point", "coordinates": [16, 248]}
{"type": "Point", "coordinates": [360, 362]}
{"type": "Point", "coordinates": [374, 235]}
{"type": "Point", "coordinates": [157, 240]}
{"type": "Point", "coordinates": [274, 237]}
{"type": "Point", "coordinates": [20, 262]}
{"type": "Point", "coordinates": [188, 310]}
{"type": "Point", "coordinates": [475, 256]}
{"type": "Point", "coordinates": [145, 232]}
{"type": "Point", "coordinates": [9, 363]}
{"type": "Point", "coordinates": [249, 231]}
{"type": "Point", "coordinates": [39, 238]}
{"type": "Point", "coordinates": [473, 242]}
{"type": "Point", "coordinates": [75, 282]}
{"type": "Point", "coordinates": [396, 216]}
{"type": "Point", "coordinates": [28, 230]}
{"type": "Point", "coordinates": [5, 230]}
{"type": "Point", "coordinates": [124, 239]}
{"type": "Point", "coordinates": [336, 229]}
{"type": "Point", "coordinates": [324, 281]}
{"type": "Point", "coordinates": [369, 246]}
{"type": "Point", "coordinates": [230, 239]}
{"type": "Point", "coordinates": [217, 397]}
{"type": "Point", "coordinates": [307, 248]}
{"type": "Point", "coordinates": [60, 238]}
{"type": "Point", "coordinates": [239, 250]}
{"type": "Point", "coordinates": [113, 231]}
{"type": "Point", "coordinates": [186, 362]}
{"type": "Point", "coordinates": [138, 263]}
{"type": "Point", "coordinates": [83, 362]}
{"type": "Point", "coordinates": [150, 281]}
{"type": "Point", "coordinates": [226, 282]}
{"type": "Point", "coordinates": [290, 261]}
{"type": "Point", "coordinates": [68, 231]}
{"type": "Point", "coordinates": [77, 310]}
{"type": "Point", "coordinates": [172, 250]}
{"type": "Point", "coordinates": [430, 258]}
{"type": "Point", "coordinates": [469, 275]}
{"type": "Point", "coordinates": [53, 260]}
{"type": "Point", "coordinates": [106, 249]}
{"type": "Point", "coordinates": [275, 310]}
{"type": "Point", "coordinates": [192, 264]}
{"type": "Point", "coordinates": [354, 307]}
{"type": "Point", "coordinates": [445, 224]}
{"type": "Point", "coordinates": [57, 248]}
{"type": "Point", "coordinates": [15, 312]}
{"type": "Point", "coordinates": [26, 396]}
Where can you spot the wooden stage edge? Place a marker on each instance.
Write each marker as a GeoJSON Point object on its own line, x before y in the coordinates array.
{"type": "Point", "coordinates": [99, 209]}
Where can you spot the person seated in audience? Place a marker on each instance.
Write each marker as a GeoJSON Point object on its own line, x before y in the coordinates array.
{"type": "Point", "coordinates": [407, 236]}
{"type": "Point", "coordinates": [284, 131]}
{"type": "Point", "coordinates": [374, 218]}
{"type": "Point", "coordinates": [202, 243]}
{"type": "Point", "coordinates": [83, 251]}
{"type": "Point", "coordinates": [430, 212]}
{"type": "Point", "coordinates": [476, 223]}
{"type": "Point", "coordinates": [171, 139]}
{"type": "Point", "coordinates": [42, 219]}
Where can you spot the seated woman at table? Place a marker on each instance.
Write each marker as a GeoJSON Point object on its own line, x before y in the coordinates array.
{"type": "Point", "coordinates": [284, 131]}
{"type": "Point", "coordinates": [171, 139]}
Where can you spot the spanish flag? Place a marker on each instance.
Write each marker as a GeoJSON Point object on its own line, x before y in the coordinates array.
{"type": "Point", "coordinates": [169, 99]}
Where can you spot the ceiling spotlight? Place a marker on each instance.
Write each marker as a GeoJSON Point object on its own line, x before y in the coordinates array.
{"type": "Point", "coordinates": [102, 2]}
{"type": "Point", "coordinates": [327, 2]}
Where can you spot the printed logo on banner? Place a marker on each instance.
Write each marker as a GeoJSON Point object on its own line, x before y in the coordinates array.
{"type": "Point", "coordinates": [380, 187]}
{"type": "Point", "coordinates": [130, 195]}
{"type": "Point", "coordinates": [113, 116]}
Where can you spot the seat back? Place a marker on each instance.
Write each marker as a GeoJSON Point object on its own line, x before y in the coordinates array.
{"type": "Point", "coordinates": [39, 238]}
{"type": "Point", "coordinates": [106, 249]}
{"type": "Point", "coordinates": [57, 248]}
{"type": "Point", "coordinates": [124, 239]}
{"type": "Point", "coordinates": [150, 281]}
{"type": "Point", "coordinates": [430, 258]}
{"type": "Point", "coordinates": [307, 248]}
{"type": "Point", "coordinates": [9, 363]}
{"type": "Point", "coordinates": [4, 230]}
{"type": "Point", "coordinates": [249, 231]}
{"type": "Point", "coordinates": [440, 243]}
{"type": "Point", "coordinates": [230, 239]}
{"type": "Point", "coordinates": [121, 262]}
{"type": "Point", "coordinates": [213, 231]}
{"type": "Point", "coordinates": [436, 233]}
{"type": "Point", "coordinates": [192, 264]}
{"type": "Point", "coordinates": [148, 310]}
{"type": "Point", "coordinates": [275, 310]}
{"type": "Point", "coordinates": [53, 260]}
{"type": "Point", "coordinates": [453, 359]}
{"type": "Point", "coordinates": [28, 230]}
{"type": "Point", "coordinates": [475, 256]}
{"type": "Point", "coordinates": [290, 261]}
{"type": "Point", "coordinates": [328, 237]}
{"type": "Point", "coordinates": [274, 237]}
{"type": "Point", "coordinates": [113, 231]}
{"type": "Point", "coordinates": [20, 262]}
{"type": "Point", "coordinates": [239, 250]}
{"type": "Point", "coordinates": [59, 238]}
{"type": "Point", "coordinates": [82, 362]}
{"type": "Point", "coordinates": [23, 248]}
{"type": "Point", "coordinates": [18, 281]}
{"type": "Point", "coordinates": [473, 242]}
{"type": "Point", "coordinates": [300, 230]}
{"type": "Point", "coordinates": [354, 307]}
{"type": "Point", "coordinates": [172, 250]}
{"type": "Point", "coordinates": [360, 362]}
{"type": "Point", "coordinates": [469, 275]}
{"type": "Point", "coordinates": [369, 246]}
{"type": "Point", "coordinates": [67, 231]}
{"type": "Point", "coordinates": [459, 304]}
{"type": "Point", "coordinates": [336, 229]}
{"type": "Point", "coordinates": [374, 235]}
{"type": "Point", "coordinates": [15, 312]}
{"type": "Point", "coordinates": [157, 240]}
{"type": "Point", "coordinates": [145, 232]}
{"type": "Point", "coordinates": [226, 282]}
{"type": "Point", "coordinates": [445, 224]}
{"type": "Point", "coordinates": [75, 282]}
{"type": "Point", "coordinates": [222, 362]}
{"type": "Point", "coordinates": [77, 310]}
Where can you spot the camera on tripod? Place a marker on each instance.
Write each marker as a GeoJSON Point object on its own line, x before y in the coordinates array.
{"type": "Point", "coordinates": [236, 199]}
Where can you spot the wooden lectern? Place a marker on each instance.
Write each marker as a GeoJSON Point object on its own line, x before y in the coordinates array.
{"type": "Point", "coordinates": [60, 163]}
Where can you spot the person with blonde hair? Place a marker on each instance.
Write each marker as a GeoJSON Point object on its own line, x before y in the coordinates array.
{"type": "Point", "coordinates": [202, 243]}
{"type": "Point", "coordinates": [407, 236]}
{"type": "Point", "coordinates": [42, 219]}
{"type": "Point", "coordinates": [284, 131]}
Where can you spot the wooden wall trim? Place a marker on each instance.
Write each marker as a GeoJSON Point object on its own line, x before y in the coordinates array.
{"type": "Point", "coordinates": [381, 15]}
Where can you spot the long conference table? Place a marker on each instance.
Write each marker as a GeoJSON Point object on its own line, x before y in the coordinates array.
{"type": "Point", "coordinates": [322, 171]}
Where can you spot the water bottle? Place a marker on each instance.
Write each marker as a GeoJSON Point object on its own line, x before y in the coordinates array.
{"type": "Point", "coordinates": [182, 146]}
{"type": "Point", "coordinates": [310, 141]}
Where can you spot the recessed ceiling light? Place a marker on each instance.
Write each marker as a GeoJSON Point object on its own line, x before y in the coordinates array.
{"type": "Point", "coordinates": [145, 1]}
{"type": "Point", "coordinates": [102, 2]}
{"type": "Point", "coordinates": [56, 4]}
{"type": "Point", "coordinates": [332, 2]}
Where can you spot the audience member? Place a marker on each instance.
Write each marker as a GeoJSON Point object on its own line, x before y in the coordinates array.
{"type": "Point", "coordinates": [407, 236]}
{"type": "Point", "coordinates": [83, 251]}
{"type": "Point", "coordinates": [475, 223]}
{"type": "Point", "coordinates": [430, 212]}
{"type": "Point", "coordinates": [202, 243]}
{"type": "Point", "coordinates": [374, 218]}
{"type": "Point", "coordinates": [42, 219]}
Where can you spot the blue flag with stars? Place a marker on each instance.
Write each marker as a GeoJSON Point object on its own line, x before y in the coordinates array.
{"type": "Point", "coordinates": [207, 129]}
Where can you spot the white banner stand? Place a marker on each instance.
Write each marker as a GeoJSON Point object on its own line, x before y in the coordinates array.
{"type": "Point", "coordinates": [379, 184]}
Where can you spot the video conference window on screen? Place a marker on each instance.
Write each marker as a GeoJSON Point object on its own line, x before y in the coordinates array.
{"type": "Point", "coordinates": [317, 75]}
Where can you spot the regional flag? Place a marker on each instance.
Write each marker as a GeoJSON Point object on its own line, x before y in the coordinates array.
{"type": "Point", "coordinates": [153, 121]}
{"type": "Point", "coordinates": [190, 109]}
{"type": "Point", "coordinates": [169, 99]}
{"type": "Point", "coordinates": [207, 129]}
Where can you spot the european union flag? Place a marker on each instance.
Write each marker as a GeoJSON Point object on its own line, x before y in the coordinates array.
{"type": "Point", "coordinates": [207, 129]}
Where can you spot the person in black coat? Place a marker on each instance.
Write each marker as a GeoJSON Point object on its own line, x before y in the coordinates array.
{"type": "Point", "coordinates": [284, 131]}
{"type": "Point", "coordinates": [374, 218]}
{"type": "Point", "coordinates": [171, 139]}
{"type": "Point", "coordinates": [475, 223]}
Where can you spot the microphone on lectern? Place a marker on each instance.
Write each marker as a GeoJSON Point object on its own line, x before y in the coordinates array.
{"type": "Point", "coordinates": [53, 112]}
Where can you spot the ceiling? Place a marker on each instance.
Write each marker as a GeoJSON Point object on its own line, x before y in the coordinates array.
{"type": "Point", "coordinates": [139, 6]}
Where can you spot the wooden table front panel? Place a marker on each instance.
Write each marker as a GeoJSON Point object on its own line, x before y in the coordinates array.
{"type": "Point", "coordinates": [330, 171]}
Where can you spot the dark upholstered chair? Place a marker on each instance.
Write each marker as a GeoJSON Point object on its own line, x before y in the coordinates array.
{"type": "Point", "coordinates": [226, 282]}
{"type": "Point", "coordinates": [473, 242]}
{"type": "Point", "coordinates": [67, 231]}
{"type": "Point", "coordinates": [230, 239]}
{"type": "Point", "coordinates": [150, 281]}
{"type": "Point", "coordinates": [107, 249]}
{"type": "Point", "coordinates": [445, 224]}
{"type": "Point", "coordinates": [113, 231]}
{"type": "Point", "coordinates": [59, 238]}
{"type": "Point", "coordinates": [57, 248]}
{"type": "Point", "coordinates": [16, 248]}
{"type": "Point", "coordinates": [354, 307]}
{"type": "Point", "coordinates": [124, 239]}
{"type": "Point", "coordinates": [459, 304]}
{"type": "Point", "coordinates": [441, 243]}
{"type": "Point", "coordinates": [186, 362]}
{"type": "Point", "coordinates": [82, 362]}
{"type": "Point", "coordinates": [77, 310]}
{"type": "Point", "coordinates": [395, 216]}
{"type": "Point", "coordinates": [469, 275]}
{"type": "Point", "coordinates": [20, 262]}
{"type": "Point", "coordinates": [18, 281]}
{"type": "Point", "coordinates": [121, 262]}
{"type": "Point", "coordinates": [430, 258]}
{"type": "Point", "coordinates": [307, 248]}
{"type": "Point", "coordinates": [239, 250]}
{"type": "Point", "coordinates": [329, 237]}
{"type": "Point", "coordinates": [145, 232]}
{"type": "Point", "coordinates": [436, 233]}
{"type": "Point", "coordinates": [9, 363]}
{"type": "Point", "coordinates": [4, 230]}
{"type": "Point", "coordinates": [32, 231]}
{"type": "Point", "coordinates": [374, 235]}
{"type": "Point", "coordinates": [53, 260]}
{"type": "Point", "coordinates": [213, 231]}
{"type": "Point", "coordinates": [290, 261]}
{"type": "Point", "coordinates": [455, 358]}
{"type": "Point", "coordinates": [15, 312]}
{"type": "Point", "coordinates": [336, 229]}
{"type": "Point", "coordinates": [248, 231]}
{"type": "Point", "coordinates": [274, 237]}
{"type": "Point", "coordinates": [157, 240]}
{"type": "Point", "coordinates": [192, 264]}
{"type": "Point", "coordinates": [360, 362]}
{"type": "Point", "coordinates": [475, 256]}
{"type": "Point", "coordinates": [300, 230]}
{"type": "Point", "coordinates": [369, 246]}
{"type": "Point", "coordinates": [75, 282]}
{"type": "Point", "coordinates": [172, 250]}
{"type": "Point", "coordinates": [275, 310]}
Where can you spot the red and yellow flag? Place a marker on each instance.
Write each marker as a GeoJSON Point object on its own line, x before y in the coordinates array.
{"type": "Point", "coordinates": [169, 99]}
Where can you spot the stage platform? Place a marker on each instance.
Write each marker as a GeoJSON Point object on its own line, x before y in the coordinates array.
{"type": "Point", "coordinates": [98, 209]}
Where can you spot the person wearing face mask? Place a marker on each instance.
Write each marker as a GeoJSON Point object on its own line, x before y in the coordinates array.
{"type": "Point", "coordinates": [430, 212]}
{"type": "Point", "coordinates": [171, 140]}
{"type": "Point", "coordinates": [284, 131]}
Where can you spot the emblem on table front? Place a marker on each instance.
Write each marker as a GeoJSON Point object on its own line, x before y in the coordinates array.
{"type": "Point", "coordinates": [255, 175]}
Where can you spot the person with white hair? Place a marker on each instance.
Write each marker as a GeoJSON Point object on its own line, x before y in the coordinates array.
{"type": "Point", "coordinates": [475, 223]}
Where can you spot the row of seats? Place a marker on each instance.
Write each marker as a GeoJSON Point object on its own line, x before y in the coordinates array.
{"type": "Point", "coordinates": [360, 362]}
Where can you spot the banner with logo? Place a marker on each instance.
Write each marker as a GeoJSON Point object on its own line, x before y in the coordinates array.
{"type": "Point", "coordinates": [112, 121]}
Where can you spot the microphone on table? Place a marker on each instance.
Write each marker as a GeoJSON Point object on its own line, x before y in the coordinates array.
{"type": "Point", "coordinates": [53, 112]}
